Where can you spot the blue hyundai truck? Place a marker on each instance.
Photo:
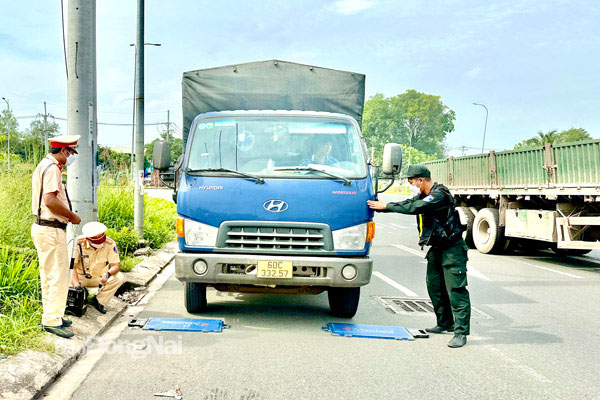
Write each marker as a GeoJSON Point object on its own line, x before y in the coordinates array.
{"type": "Point", "coordinates": [272, 187]}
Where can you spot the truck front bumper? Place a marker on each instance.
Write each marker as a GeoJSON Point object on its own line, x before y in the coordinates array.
{"type": "Point", "coordinates": [308, 271]}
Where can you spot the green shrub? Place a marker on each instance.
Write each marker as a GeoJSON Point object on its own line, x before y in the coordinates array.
{"type": "Point", "coordinates": [126, 240]}
{"type": "Point", "coordinates": [115, 206]}
{"type": "Point", "coordinates": [116, 209]}
{"type": "Point", "coordinates": [127, 263]}
{"type": "Point", "coordinates": [159, 221]}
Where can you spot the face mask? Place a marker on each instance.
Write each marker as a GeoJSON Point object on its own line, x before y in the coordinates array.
{"type": "Point", "coordinates": [71, 159]}
{"type": "Point", "coordinates": [98, 242]}
{"type": "Point", "coordinates": [415, 190]}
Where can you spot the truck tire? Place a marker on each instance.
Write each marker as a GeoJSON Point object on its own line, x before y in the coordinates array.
{"type": "Point", "coordinates": [343, 302]}
{"type": "Point", "coordinates": [488, 235]}
{"type": "Point", "coordinates": [195, 297]}
{"type": "Point", "coordinates": [467, 218]}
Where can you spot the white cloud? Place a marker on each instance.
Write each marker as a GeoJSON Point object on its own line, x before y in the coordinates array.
{"type": "Point", "coordinates": [474, 72]}
{"type": "Point", "coordinates": [349, 7]}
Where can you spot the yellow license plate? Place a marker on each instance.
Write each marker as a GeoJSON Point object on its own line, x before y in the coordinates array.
{"type": "Point", "coordinates": [274, 269]}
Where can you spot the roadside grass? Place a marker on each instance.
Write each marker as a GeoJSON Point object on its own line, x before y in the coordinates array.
{"type": "Point", "coordinates": [20, 304]}
{"type": "Point", "coordinates": [116, 208]}
{"type": "Point", "coordinates": [15, 207]}
{"type": "Point", "coordinates": [20, 298]}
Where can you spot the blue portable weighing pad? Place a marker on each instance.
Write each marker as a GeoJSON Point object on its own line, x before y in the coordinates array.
{"type": "Point", "coordinates": [185, 324]}
{"type": "Point", "coordinates": [368, 331]}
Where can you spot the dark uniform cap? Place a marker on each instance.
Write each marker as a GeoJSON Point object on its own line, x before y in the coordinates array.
{"type": "Point", "coordinates": [417, 171]}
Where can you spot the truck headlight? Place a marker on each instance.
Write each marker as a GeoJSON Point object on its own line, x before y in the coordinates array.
{"type": "Point", "coordinates": [197, 234]}
{"type": "Point", "coordinates": [352, 238]}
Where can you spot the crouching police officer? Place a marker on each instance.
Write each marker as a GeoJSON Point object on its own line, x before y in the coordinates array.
{"type": "Point", "coordinates": [439, 227]}
{"type": "Point", "coordinates": [97, 264]}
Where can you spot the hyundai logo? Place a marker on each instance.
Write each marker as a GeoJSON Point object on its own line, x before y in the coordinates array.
{"type": "Point", "coordinates": [275, 205]}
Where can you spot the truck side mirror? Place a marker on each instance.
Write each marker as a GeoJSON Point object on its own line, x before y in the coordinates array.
{"type": "Point", "coordinates": [392, 159]}
{"type": "Point", "coordinates": [161, 155]}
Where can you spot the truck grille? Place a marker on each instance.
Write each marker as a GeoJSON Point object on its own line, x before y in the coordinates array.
{"type": "Point", "coordinates": [281, 237]}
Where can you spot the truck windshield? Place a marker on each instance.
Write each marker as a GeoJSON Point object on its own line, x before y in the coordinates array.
{"type": "Point", "coordinates": [271, 147]}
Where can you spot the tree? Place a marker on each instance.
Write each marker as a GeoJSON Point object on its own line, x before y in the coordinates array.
{"type": "Point", "coordinates": [573, 135]}
{"type": "Point", "coordinates": [416, 119]}
{"type": "Point", "coordinates": [32, 143]}
{"type": "Point", "coordinates": [113, 161]}
{"type": "Point", "coordinates": [8, 127]}
{"type": "Point", "coordinates": [554, 137]}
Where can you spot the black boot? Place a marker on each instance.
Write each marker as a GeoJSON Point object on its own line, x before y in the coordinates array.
{"type": "Point", "coordinates": [458, 341]}
{"type": "Point", "coordinates": [98, 306]}
{"type": "Point", "coordinates": [66, 323]}
{"type": "Point", "coordinates": [440, 329]}
{"type": "Point", "coordinates": [59, 331]}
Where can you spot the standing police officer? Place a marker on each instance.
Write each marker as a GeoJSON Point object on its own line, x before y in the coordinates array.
{"type": "Point", "coordinates": [51, 205]}
{"type": "Point", "coordinates": [439, 227]}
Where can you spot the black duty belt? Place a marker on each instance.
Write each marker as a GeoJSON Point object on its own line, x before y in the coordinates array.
{"type": "Point", "coordinates": [52, 224]}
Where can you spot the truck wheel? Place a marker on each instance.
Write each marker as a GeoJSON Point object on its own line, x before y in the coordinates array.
{"type": "Point", "coordinates": [343, 302]}
{"type": "Point", "coordinates": [467, 218]}
{"type": "Point", "coordinates": [488, 235]}
{"type": "Point", "coordinates": [195, 297]}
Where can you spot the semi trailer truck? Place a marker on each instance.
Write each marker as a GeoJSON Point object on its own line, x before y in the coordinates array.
{"type": "Point", "coordinates": [544, 197]}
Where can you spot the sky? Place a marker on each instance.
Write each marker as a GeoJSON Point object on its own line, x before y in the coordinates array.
{"type": "Point", "coordinates": [534, 64]}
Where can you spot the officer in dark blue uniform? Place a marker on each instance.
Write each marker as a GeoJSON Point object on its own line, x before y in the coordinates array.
{"type": "Point", "coordinates": [439, 227]}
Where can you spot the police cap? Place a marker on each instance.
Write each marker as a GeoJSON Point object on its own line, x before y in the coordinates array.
{"type": "Point", "coordinates": [417, 171]}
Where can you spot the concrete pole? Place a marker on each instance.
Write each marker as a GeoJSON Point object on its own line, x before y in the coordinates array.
{"type": "Point", "coordinates": [138, 217]}
{"type": "Point", "coordinates": [81, 107]}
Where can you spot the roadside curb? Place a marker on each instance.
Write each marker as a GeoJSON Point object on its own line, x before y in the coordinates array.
{"type": "Point", "coordinates": [28, 375]}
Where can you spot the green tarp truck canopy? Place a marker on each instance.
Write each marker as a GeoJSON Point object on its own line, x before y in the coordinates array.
{"type": "Point", "coordinates": [271, 85]}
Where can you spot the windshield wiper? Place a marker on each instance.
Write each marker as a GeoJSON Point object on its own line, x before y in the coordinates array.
{"type": "Point", "coordinates": [258, 179]}
{"type": "Point", "coordinates": [311, 169]}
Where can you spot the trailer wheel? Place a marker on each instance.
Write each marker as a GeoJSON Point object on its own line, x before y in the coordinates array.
{"type": "Point", "coordinates": [467, 218]}
{"type": "Point", "coordinates": [195, 297]}
{"type": "Point", "coordinates": [343, 302]}
{"type": "Point", "coordinates": [488, 235]}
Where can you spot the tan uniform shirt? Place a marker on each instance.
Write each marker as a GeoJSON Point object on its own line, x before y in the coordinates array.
{"type": "Point", "coordinates": [52, 183]}
{"type": "Point", "coordinates": [95, 260]}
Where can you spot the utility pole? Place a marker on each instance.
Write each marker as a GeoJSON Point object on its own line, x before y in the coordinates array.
{"type": "Point", "coordinates": [81, 107]}
{"type": "Point", "coordinates": [138, 216]}
{"type": "Point", "coordinates": [168, 124]}
{"type": "Point", "coordinates": [45, 129]}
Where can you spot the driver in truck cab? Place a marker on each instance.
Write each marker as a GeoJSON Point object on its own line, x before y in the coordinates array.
{"type": "Point", "coordinates": [321, 154]}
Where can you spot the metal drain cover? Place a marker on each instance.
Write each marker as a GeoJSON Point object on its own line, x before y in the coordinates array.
{"type": "Point", "coordinates": [415, 306]}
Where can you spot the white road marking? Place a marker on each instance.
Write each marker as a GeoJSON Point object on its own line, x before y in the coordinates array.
{"type": "Point", "coordinates": [377, 224]}
{"type": "Point", "coordinates": [399, 226]}
{"type": "Point", "coordinates": [409, 250]}
{"type": "Point", "coordinates": [550, 269]}
{"type": "Point", "coordinates": [471, 271]}
{"type": "Point", "coordinates": [395, 284]}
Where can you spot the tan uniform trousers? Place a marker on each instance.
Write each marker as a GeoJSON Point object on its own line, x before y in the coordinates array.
{"type": "Point", "coordinates": [51, 246]}
{"type": "Point", "coordinates": [107, 292]}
